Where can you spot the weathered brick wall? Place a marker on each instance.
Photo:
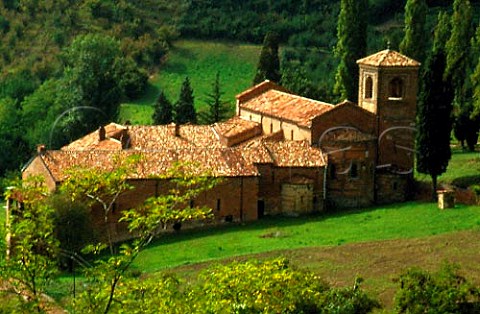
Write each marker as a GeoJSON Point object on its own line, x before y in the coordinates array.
{"type": "Point", "coordinates": [344, 115]}
{"type": "Point", "coordinates": [273, 178]}
{"type": "Point", "coordinates": [393, 188]}
{"type": "Point", "coordinates": [234, 199]}
{"type": "Point", "coordinates": [37, 167]}
{"type": "Point", "coordinates": [347, 187]}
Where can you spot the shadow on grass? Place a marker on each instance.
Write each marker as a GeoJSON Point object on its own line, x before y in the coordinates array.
{"type": "Point", "coordinates": [466, 181]}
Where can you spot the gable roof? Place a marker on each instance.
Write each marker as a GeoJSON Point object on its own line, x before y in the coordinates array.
{"type": "Point", "coordinates": [259, 89]}
{"type": "Point", "coordinates": [286, 106]}
{"type": "Point", "coordinates": [388, 58]}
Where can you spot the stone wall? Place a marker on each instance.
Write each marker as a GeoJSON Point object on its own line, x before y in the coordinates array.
{"type": "Point", "coordinates": [393, 188]}
{"type": "Point", "coordinates": [273, 179]}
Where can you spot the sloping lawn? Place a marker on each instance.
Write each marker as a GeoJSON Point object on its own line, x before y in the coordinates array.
{"type": "Point", "coordinates": [400, 221]}
{"type": "Point", "coordinates": [200, 61]}
{"type": "Point", "coordinates": [463, 169]}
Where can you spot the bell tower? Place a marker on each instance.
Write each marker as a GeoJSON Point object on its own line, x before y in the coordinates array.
{"type": "Point", "coordinates": [387, 87]}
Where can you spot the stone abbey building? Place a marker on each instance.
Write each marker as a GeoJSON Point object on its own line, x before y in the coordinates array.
{"type": "Point", "coordinates": [280, 154]}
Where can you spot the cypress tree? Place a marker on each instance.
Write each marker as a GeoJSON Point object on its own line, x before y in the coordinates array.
{"type": "Point", "coordinates": [475, 77]}
{"type": "Point", "coordinates": [218, 109]}
{"type": "Point", "coordinates": [434, 119]}
{"type": "Point", "coordinates": [413, 43]}
{"type": "Point", "coordinates": [351, 46]}
{"type": "Point", "coordinates": [268, 67]}
{"type": "Point", "coordinates": [434, 115]}
{"type": "Point", "coordinates": [184, 107]}
{"type": "Point", "coordinates": [163, 110]}
{"type": "Point", "coordinates": [458, 57]}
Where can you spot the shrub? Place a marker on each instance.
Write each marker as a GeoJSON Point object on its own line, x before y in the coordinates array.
{"type": "Point", "coordinates": [443, 292]}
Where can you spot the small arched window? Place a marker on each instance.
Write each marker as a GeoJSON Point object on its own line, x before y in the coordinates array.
{"type": "Point", "coordinates": [368, 88]}
{"type": "Point", "coordinates": [395, 88]}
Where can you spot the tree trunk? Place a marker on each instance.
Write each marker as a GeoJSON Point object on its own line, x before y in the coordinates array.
{"type": "Point", "coordinates": [434, 187]}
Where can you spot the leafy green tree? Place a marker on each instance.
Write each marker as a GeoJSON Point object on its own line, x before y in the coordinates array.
{"type": "Point", "coordinates": [268, 67]}
{"type": "Point", "coordinates": [273, 287]}
{"type": "Point", "coordinates": [443, 292]}
{"type": "Point", "coordinates": [457, 70]}
{"type": "Point", "coordinates": [14, 150]}
{"type": "Point", "coordinates": [414, 41]}
{"type": "Point", "coordinates": [91, 81]}
{"type": "Point", "coordinates": [217, 108]}
{"type": "Point", "coordinates": [95, 186]}
{"type": "Point", "coordinates": [144, 222]}
{"type": "Point", "coordinates": [73, 228]}
{"type": "Point", "coordinates": [434, 119]}
{"type": "Point", "coordinates": [31, 264]}
{"type": "Point", "coordinates": [162, 110]}
{"type": "Point", "coordinates": [351, 46]}
{"type": "Point", "coordinates": [184, 108]}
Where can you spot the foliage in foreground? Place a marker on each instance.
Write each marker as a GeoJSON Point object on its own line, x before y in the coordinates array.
{"type": "Point", "coordinates": [32, 260]}
{"type": "Point", "coordinates": [244, 287]}
{"type": "Point", "coordinates": [443, 292]}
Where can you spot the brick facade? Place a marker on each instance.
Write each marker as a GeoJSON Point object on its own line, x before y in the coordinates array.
{"type": "Point", "coordinates": [281, 153]}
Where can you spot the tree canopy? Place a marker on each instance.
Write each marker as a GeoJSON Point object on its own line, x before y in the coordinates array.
{"type": "Point", "coordinates": [184, 108]}
{"type": "Point", "coordinates": [351, 46]}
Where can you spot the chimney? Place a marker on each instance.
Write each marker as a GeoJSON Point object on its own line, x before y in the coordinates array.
{"type": "Point", "coordinates": [101, 134]}
{"type": "Point", "coordinates": [125, 139]}
{"type": "Point", "coordinates": [176, 129]}
{"type": "Point", "coordinates": [41, 149]}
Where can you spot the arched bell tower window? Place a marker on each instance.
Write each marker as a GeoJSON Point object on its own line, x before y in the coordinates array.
{"type": "Point", "coordinates": [368, 88]}
{"type": "Point", "coordinates": [395, 88]}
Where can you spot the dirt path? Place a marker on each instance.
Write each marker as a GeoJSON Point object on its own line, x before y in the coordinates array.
{"type": "Point", "coordinates": [379, 263]}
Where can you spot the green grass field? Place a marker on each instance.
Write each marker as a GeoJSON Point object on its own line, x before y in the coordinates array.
{"type": "Point", "coordinates": [200, 61]}
{"type": "Point", "coordinates": [400, 221]}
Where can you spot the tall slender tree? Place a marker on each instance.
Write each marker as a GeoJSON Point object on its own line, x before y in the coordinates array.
{"type": "Point", "coordinates": [458, 57]}
{"type": "Point", "coordinates": [475, 77]}
{"type": "Point", "coordinates": [217, 108]}
{"type": "Point", "coordinates": [163, 110]}
{"type": "Point", "coordinates": [268, 67]}
{"type": "Point", "coordinates": [434, 119]}
{"type": "Point", "coordinates": [435, 109]}
{"type": "Point", "coordinates": [184, 107]}
{"type": "Point", "coordinates": [351, 46]}
{"type": "Point", "coordinates": [413, 43]}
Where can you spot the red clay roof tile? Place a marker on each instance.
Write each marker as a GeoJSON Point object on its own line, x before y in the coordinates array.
{"type": "Point", "coordinates": [287, 106]}
{"type": "Point", "coordinates": [389, 58]}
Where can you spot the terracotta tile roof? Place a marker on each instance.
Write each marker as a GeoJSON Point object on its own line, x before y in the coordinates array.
{"type": "Point", "coordinates": [113, 134]}
{"type": "Point", "coordinates": [160, 137]}
{"type": "Point", "coordinates": [389, 58]}
{"type": "Point", "coordinates": [236, 130]}
{"type": "Point", "coordinates": [297, 109]}
{"type": "Point", "coordinates": [224, 162]}
{"type": "Point", "coordinates": [235, 126]}
{"type": "Point", "coordinates": [259, 89]}
{"type": "Point", "coordinates": [295, 154]}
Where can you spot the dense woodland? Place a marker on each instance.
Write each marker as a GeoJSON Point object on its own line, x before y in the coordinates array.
{"type": "Point", "coordinates": [49, 48]}
{"type": "Point", "coordinates": [67, 65]}
{"type": "Point", "coordinates": [58, 56]}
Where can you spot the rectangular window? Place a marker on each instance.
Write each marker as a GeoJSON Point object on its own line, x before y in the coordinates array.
{"type": "Point", "coordinates": [354, 170]}
{"type": "Point", "coordinates": [218, 204]}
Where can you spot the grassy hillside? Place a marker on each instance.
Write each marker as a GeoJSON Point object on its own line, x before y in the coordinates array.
{"type": "Point", "coordinates": [200, 61]}
{"type": "Point", "coordinates": [401, 221]}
